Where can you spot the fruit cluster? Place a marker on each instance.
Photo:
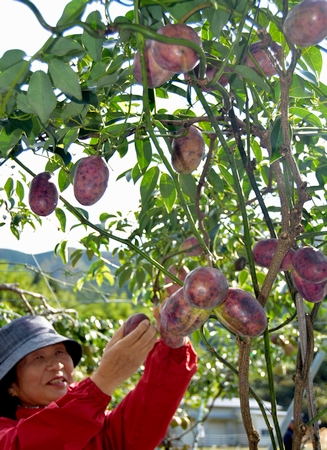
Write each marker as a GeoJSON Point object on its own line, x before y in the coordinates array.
{"type": "Point", "coordinates": [206, 291]}
{"type": "Point", "coordinates": [308, 267]}
{"type": "Point", "coordinates": [90, 183]}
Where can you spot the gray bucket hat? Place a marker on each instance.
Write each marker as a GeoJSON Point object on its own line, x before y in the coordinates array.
{"type": "Point", "coordinates": [27, 334]}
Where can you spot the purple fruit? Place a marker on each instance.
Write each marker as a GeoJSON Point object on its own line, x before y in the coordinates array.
{"type": "Point", "coordinates": [306, 23]}
{"type": "Point", "coordinates": [179, 317]}
{"type": "Point", "coordinates": [191, 247]}
{"type": "Point", "coordinates": [43, 195]}
{"type": "Point", "coordinates": [263, 253]}
{"type": "Point", "coordinates": [156, 75]}
{"type": "Point", "coordinates": [133, 321]}
{"type": "Point", "coordinates": [187, 151]}
{"type": "Point", "coordinates": [176, 58]}
{"type": "Point", "coordinates": [170, 339]}
{"type": "Point", "coordinates": [242, 314]}
{"type": "Point", "coordinates": [205, 287]}
{"type": "Point", "coordinates": [312, 292]}
{"type": "Point", "coordinates": [90, 180]}
{"type": "Point", "coordinates": [310, 264]}
{"type": "Point", "coordinates": [262, 58]}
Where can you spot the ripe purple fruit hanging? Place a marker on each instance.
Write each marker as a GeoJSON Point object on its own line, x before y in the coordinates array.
{"type": "Point", "coordinates": [156, 75]}
{"type": "Point", "coordinates": [306, 23]}
{"type": "Point", "coordinates": [174, 57]}
{"type": "Point", "coordinates": [242, 314]}
{"type": "Point", "coordinates": [187, 150]}
{"type": "Point", "coordinates": [43, 195]}
{"type": "Point", "coordinates": [310, 264]}
{"type": "Point", "coordinates": [90, 180]}
{"type": "Point", "coordinates": [205, 287]}
{"type": "Point", "coordinates": [264, 250]}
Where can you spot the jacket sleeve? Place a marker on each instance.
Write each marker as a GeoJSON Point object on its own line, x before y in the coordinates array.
{"type": "Point", "coordinates": [66, 424]}
{"type": "Point", "coordinates": [141, 420]}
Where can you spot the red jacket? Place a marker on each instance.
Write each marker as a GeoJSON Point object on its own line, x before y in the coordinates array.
{"type": "Point", "coordinates": [80, 421]}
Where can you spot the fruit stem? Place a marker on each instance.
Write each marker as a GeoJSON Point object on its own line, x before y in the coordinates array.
{"type": "Point", "coordinates": [273, 400]}
{"type": "Point", "coordinates": [236, 372]}
{"type": "Point", "coordinates": [237, 184]}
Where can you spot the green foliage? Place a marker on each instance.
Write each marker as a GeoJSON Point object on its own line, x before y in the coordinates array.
{"type": "Point", "coordinates": [264, 173]}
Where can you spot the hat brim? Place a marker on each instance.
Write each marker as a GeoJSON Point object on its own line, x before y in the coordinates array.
{"type": "Point", "coordinates": [74, 349]}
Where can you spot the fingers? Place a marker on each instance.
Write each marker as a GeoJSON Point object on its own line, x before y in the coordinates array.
{"type": "Point", "coordinates": [116, 337]}
{"type": "Point", "coordinates": [143, 335]}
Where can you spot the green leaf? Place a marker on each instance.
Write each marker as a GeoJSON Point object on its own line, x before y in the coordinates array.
{"type": "Point", "coordinates": [76, 256]}
{"type": "Point", "coordinates": [215, 180]}
{"type": "Point", "coordinates": [19, 190]}
{"type": "Point", "coordinates": [63, 251]}
{"type": "Point", "coordinates": [276, 139]}
{"type": "Point", "coordinates": [61, 216]}
{"type": "Point", "coordinates": [143, 153]}
{"type": "Point", "coordinates": [16, 73]}
{"type": "Point", "coordinates": [63, 46]}
{"type": "Point", "coordinates": [73, 11]}
{"type": "Point", "coordinates": [251, 75]}
{"type": "Point", "coordinates": [321, 174]}
{"type": "Point", "coordinates": [8, 187]}
{"type": "Point", "coordinates": [168, 191]}
{"type": "Point", "coordinates": [8, 141]}
{"type": "Point", "coordinates": [226, 175]}
{"type": "Point", "coordinates": [257, 150]}
{"type": "Point", "coordinates": [94, 45]}
{"type": "Point", "coordinates": [307, 76]}
{"type": "Point", "coordinates": [298, 88]}
{"type": "Point", "coordinates": [22, 103]}
{"type": "Point", "coordinates": [148, 184]}
{"type": "Point", "coordinates": [188, 185]}
{"type": "Point", "coordinates": [65, 79]}
{"type": "Point", "coordinates": [313, 57]}
{"type": "Point", "coordinates": [40, 95]}
{"type": "Point", "coordinates": [217, 19]}
{"type": "Point", "coordinates": [63, 180]}
{"type": "Point", "coordinates": [242, 277]}
{"type": "Point", "coordinates": [11, 58]}
{"type": "Point", "coordinates": [306, 115]}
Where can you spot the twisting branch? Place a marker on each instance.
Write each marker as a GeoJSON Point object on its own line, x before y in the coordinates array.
{"type": "Point", "coordinates": [199, 187]}
{"type": "Point", "coordinates": [13, 287]}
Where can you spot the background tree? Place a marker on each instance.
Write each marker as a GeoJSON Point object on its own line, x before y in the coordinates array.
{"type": "Point", "coordinates": [262, 173]}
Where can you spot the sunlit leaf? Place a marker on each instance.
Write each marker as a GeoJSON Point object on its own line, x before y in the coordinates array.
{"type": "Point", "coordinates": [61, 216]}
{"type": "Point", "coordinates": [40, 95]}
{"type": "Point", "coordinates": [65, 79]}
{"type": "Point", "coordinates": [168, 191]}
{"type": "Point", "coordinates": [73, 11]}
{"type": "Point", "coordinates": [11, 58]}
{"type": "Point", "coordinates": [149, 183]}
{"type": "Point", "coordinates": [8, 187]}
{"type": "Point", "coordinates": [306, 115]}
{"type": "Point", "coordinates": [20, 190]}
{"type": "Point", "coordinates": [251, 75]}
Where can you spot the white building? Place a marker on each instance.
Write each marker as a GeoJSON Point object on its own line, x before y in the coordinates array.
{"type": "Point", "coordinates": [224, 426]}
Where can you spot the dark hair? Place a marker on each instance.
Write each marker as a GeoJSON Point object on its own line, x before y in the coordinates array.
{"type": "Point", "coordinates": [8, 403]}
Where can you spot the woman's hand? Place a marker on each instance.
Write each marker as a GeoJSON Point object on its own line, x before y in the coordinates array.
{"type": "Point", "coordinates": [123, 356]}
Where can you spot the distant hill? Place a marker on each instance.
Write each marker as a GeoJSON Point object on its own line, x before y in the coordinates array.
{"type": "Point", "coordinates": [51, 265]}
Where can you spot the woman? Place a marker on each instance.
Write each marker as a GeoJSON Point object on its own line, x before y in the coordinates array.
{"type": "Point", "coordinates": [41, 408]}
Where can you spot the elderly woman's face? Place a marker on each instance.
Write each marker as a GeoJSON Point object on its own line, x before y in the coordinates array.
{"type": "Point", "coordinates": [43, 376]}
